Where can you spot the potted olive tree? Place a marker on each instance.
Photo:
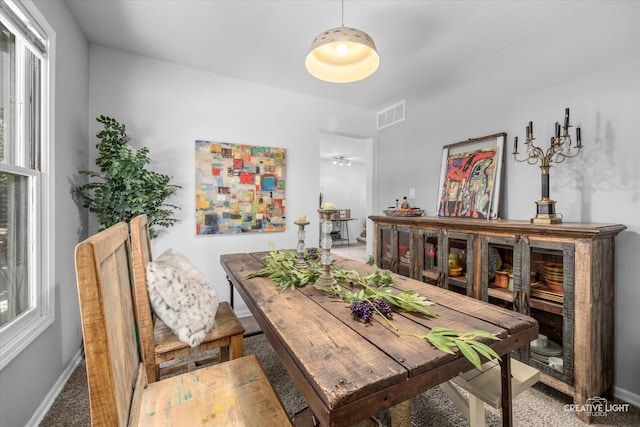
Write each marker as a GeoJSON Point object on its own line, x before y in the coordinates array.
{"type": "Point", "coordinates": [124, 187]}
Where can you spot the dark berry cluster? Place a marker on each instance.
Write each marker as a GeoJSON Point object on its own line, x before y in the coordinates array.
{"type": "Point", "coordinates": [383, 307]}
{"type": "Point", "coordinates": [363, 310]}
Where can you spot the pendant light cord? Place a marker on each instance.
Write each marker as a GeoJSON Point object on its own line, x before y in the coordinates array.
{"type": "Point", "coordinates": [343, 13]}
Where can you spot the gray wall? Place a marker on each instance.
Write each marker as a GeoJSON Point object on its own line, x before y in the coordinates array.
{"type": "Point", "coordinates": [536, 80]}
{"type": "Point", "coordinates": [26, 381]}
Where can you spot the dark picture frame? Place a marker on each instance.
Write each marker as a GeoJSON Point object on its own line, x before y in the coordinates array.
{"type": "Point", "coordinates": [471, 178]}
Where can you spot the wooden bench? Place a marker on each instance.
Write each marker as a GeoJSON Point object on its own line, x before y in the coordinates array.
{"type": "Point", "coordinates": [484, 386]}
{"type": "Point", "coordinates": [233, 393]}
{"type": "Point", "coordinates": [159, 344]}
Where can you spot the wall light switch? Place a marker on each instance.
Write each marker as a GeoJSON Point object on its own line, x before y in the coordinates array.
{"type": "Point", "coordinates": [412, 193]}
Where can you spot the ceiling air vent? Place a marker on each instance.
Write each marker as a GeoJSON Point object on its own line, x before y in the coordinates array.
{"type": "Point", "coordinates": [391, 116]}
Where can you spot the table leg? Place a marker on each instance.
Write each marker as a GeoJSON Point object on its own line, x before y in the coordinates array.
{"type": "Point", "coordinates": [401, 414]}
{"type": "Point", "coordinates": [230, 291]}
{"type": "Point", "coordinates": [246, 334]}
{"type": "Point", "coordinates": [346, 226]}
{"type": "Point", "coordinates": [505, 378]}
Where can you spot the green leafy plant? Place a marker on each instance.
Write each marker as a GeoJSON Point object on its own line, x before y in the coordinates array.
{"type": "Point", "coordinates": [124, 187]}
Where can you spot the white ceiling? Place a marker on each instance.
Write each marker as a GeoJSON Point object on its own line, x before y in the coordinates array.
{"type": "Point", "coordinates": [425, 46]}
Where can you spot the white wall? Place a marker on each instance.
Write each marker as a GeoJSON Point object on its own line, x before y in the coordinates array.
{"type": "Point", "coordinates": [26, 381]}
{"type": "Point", "coordinates": [167, 107]}
{"type": "Point", "coordinates": [537, 79]}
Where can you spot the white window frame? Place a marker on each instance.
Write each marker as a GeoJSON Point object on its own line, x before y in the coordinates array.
{"type": "Point", "coordinates": [16, 335]}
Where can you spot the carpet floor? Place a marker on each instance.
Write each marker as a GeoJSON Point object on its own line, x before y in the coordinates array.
{"type": "Point", "coordinates": [540, 406]}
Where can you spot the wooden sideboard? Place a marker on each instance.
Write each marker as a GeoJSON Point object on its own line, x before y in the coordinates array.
{"type": "Point", "coordinates": [577, 259]}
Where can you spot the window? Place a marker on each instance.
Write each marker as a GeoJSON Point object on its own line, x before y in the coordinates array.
{"type": "Point", "coordinates": [26, 283]}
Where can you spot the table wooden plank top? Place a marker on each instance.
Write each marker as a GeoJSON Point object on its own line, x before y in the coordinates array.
{"type": "Point", "coordinates": [348, 370]}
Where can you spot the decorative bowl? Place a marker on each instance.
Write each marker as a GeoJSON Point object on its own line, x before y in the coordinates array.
{"type": "Point", "coordinates": [404, 212]}
{"type": "Point", "coordinates": [553, 279]}
{"type": "Point", "coordinates": [555, 286]}
{"type": "Point", "coordinates": [455, 271]}
{"type": "Point", "coordinates": [556, 363]}
{"type": "Point", "coordinates": [552, 267]}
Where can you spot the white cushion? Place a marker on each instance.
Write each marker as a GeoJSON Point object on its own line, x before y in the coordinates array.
{"type": "Point", "coordinates": [181, 297]}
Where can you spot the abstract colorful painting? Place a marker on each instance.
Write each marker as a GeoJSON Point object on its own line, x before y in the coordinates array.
{"type": "Point", "coordinates": [239, 188]}
{"type": "Point", "coordinates": [470, 178]}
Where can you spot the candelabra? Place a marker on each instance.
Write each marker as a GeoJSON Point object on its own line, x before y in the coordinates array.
{"type": "Point", "coordinates": [560, 148]}
{"type": "Point", "coordinates": [325, 281]}
{"type": "Point", "coordinates": [301, 263]}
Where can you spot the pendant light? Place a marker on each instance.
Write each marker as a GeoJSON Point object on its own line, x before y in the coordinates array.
{"type": "Point", "coordinates": [342, 55]}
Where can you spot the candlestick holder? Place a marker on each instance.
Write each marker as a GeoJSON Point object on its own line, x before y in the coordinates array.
{"type": "Point", "coordinates": [325, 281]}
{"type": "Point", "coordinates": [560, 148]}
{"type": "Point", "coordinates": [301, 263]}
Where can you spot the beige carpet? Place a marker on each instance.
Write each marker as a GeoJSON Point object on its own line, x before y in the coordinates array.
{"type": "Point", "coordinates": [539, 406]}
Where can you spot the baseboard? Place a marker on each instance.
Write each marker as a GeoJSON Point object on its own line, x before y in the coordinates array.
{"type": "Point", "coordinates": [626, 396]}
{"type": "Point", "coordinates": [46, 404]}
{"type": "Point", "coordinates": [244, 312]}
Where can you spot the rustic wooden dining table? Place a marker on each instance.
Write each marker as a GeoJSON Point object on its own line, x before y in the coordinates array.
{"type": "Point", "coordinates": [348, 370]}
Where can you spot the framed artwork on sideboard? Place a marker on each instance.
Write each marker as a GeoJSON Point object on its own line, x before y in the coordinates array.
{"type": "Point", "coordinates": [470, 178]}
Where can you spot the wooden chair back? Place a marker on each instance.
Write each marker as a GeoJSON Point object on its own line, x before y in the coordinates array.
{"type": "Point", "coordinates": [108, 324]}
{"type": "Point", "coordinates": [141, 250]}
{"type": "Point", "coordinates": [157, 343]}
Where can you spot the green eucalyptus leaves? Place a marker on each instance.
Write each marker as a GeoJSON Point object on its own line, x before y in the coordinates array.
{"type": "Point", "coordinates": [365, 294]}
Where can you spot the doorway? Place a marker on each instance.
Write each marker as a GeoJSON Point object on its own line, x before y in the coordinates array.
{"type": "Point", "coordinates": [346, 180]}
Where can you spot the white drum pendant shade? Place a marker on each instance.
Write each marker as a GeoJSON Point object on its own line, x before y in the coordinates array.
{"type": "Point", "coordinates": [342, 55]}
